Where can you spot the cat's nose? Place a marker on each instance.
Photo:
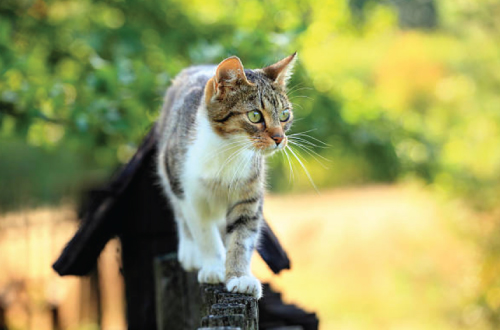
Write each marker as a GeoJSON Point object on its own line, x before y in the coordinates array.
{"type": "Point", "coordinates": [277, 138]}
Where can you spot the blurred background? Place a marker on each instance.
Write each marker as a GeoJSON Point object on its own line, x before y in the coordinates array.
{"type": "Point", "coordinates": [404, 232]}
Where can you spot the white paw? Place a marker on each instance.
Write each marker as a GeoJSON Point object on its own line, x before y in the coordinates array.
{"type": "Point", "coordinates": [247, 284]}
{"type": "Point", "coordinates": [189, 256]}
{"type": "Point", "coordinates": [212, 273]}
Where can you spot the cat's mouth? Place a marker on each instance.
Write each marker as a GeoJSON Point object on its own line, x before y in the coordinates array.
{"type": "Point", "coordinates": [272, 148]}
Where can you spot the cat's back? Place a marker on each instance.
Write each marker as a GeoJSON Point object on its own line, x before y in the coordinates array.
{"type": "Point", "coordinates": [182, 100]}
{"type": "Point", "coordinates": [177, 123]}
{"type": "Point", "coordinates": [193, 77]}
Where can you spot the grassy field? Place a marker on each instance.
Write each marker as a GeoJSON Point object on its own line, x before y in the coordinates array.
{"type": "Point", "coordinates": [382, 257]}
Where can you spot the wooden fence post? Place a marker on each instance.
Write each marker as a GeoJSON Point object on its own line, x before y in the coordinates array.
{"type": "Point", "coordinates": [178, 298]}
{"type": "Point", "coordinates": [182, 304]}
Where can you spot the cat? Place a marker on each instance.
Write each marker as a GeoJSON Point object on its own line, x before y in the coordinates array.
{"type": "Point", "coordinates": [217, 125]}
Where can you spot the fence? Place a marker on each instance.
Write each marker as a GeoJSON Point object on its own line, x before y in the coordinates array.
{"type": "Point", "coordinates": [183, 304]}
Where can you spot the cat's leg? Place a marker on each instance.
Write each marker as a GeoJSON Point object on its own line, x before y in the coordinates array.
{"type": "Point", "coordinates": [187, 254]}
{"type": "Point", "coordinates": [187, 251]}
{"type": "Point", "coordinates": [241, 237]}
{"type": "Point", "coordinates": [209, 244]}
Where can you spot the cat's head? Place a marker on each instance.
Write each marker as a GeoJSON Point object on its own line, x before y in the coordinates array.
{"type": "Point", "coordinates": [251, 103]}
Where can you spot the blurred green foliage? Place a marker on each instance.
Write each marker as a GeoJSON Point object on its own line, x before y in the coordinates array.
{"type": "Point", "coordinates": [399, 90]}
{"type": "Point", "coordinates": [87, 78]}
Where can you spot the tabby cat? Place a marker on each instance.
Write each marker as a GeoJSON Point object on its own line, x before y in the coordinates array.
{"type": "Point", "coordinates": [217, 125]}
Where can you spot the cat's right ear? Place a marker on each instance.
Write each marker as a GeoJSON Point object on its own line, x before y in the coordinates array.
{"type": "Point", "coordinates": [281, 72]}
{"type": "Point", "coordinates": [229, 75]}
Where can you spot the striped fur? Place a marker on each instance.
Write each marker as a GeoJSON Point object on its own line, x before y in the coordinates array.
{"type": "Point", "coordinates": [211, 163]}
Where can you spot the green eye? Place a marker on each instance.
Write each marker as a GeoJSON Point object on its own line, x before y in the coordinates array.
{"type": "Point", "coordinates": [285, 115]}
{"type": "Point", "coordinates": [255, 116]}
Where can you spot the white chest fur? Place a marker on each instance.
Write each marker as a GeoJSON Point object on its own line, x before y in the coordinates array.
{"type": "Point", "coordinates": [215, 166]}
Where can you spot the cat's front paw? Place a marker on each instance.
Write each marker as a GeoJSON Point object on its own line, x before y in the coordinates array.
{"type": "Point", "coordinates": [247, 284]}
{"type": "Point", "coordinates": [212, 274]}
{"type": "Point", "coordinates": [189, 256]}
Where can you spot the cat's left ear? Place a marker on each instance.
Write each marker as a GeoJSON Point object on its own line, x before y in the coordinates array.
{"type": "Point", "coordinates": [281, 71]}
{"type": "Point", "coordinates": [229, 75]}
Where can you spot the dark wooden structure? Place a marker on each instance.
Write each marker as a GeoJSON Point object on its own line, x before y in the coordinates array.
{"type": "Point", "coordinates": [133, 208]}
{"type": "Point", "coordinates": [183, 304]}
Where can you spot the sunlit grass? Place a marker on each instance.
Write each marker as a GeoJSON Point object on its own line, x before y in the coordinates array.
{"type": "Point", "coordinates": [379, 257]}
{"type": "Point", "coordinates": [383, 257]}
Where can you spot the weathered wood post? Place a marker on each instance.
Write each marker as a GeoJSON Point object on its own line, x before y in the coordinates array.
{"type": "Point", "coordinates": [183, 304]}
{"type": "Point", "coordinates": [178, 298]}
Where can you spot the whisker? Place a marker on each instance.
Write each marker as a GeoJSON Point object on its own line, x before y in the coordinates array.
{"type": "Point", "coordinates": [291, 176]}
{"type": "Point", "coordinates": [310, 149]}
{"type": "Point", "coordinates": [303, 135]}
{"type": "Point", "coordinates": [226, 147]}
{"type": "Point", "coordinates": [237, 170]}
{"type": "Point", "coordinates": [241, 166]}
{"type": "Point", "coordinates": [313, 154]}
{"type": "Point", "coordinates": [300, 96]}
{"type": "Point", "coordinates": [299, 89]}
{"type": "Point", "coordinates": [311, 130]}
{"type": "Point", "coordinates": [296, 138]}
{"type": "Point", "coordinates": [283, 161]}
{"type": "Point", "coordinates": [228, 160]}
{"type": "Point", "coordinates": [305, 170]}
{"type": "Point", "coordinates": [299, 153]}
{"type": "Point", "coordinates": [295, 88]}
{"type": "Point", "coordinates": [302, 140]}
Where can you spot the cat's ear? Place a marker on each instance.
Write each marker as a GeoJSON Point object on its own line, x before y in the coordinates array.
{"type": "Point", "coordinates": [281, 71]}
{"type": "Point", "coordinates": [229, 75]}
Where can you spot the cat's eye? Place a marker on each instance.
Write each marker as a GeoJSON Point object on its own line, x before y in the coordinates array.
{"type": "Point", "coordinates": [255, 116]}
{"type": "Point", "coordinates": [285, 115]}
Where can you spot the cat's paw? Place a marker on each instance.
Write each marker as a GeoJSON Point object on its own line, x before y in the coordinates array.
{"type": "Point", "coordinates": [189, 256]}
{"type": "Point", "coordinates": [212, 274]}
{"type": "Point", "coordinates": [247, 284]}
